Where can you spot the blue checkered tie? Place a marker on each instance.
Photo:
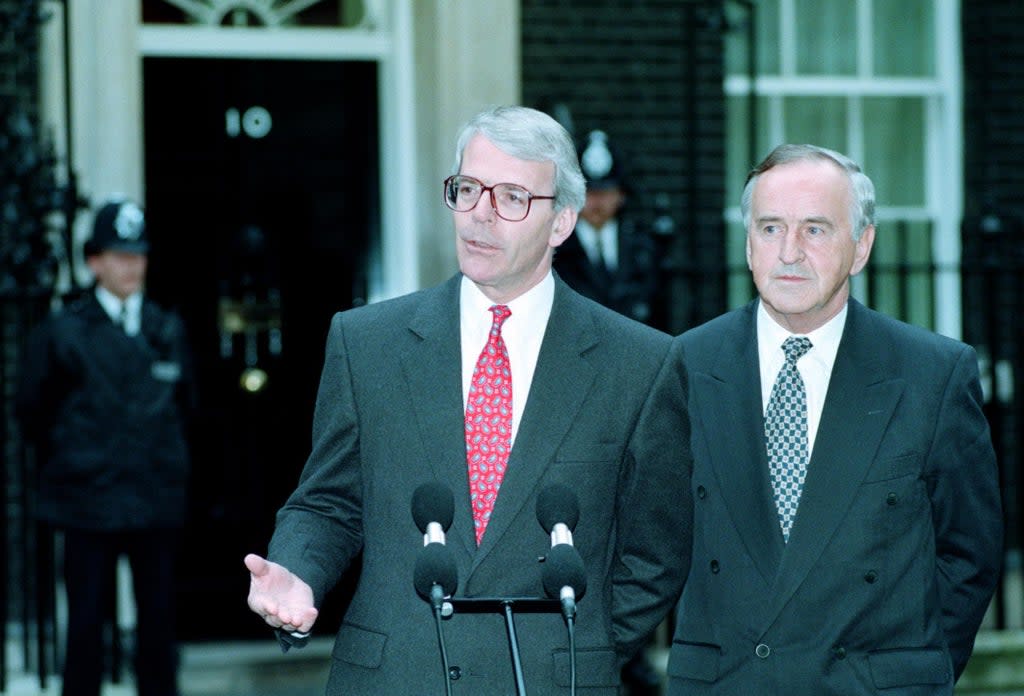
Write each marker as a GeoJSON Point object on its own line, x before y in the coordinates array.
{"type": "Point", "coordinates": [785, 433]}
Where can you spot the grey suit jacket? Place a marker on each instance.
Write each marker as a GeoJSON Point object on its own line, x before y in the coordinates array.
{"type": "Point", "coordinates": [896, 547]}
{"type": "Point", "coordinates": [603, 417]}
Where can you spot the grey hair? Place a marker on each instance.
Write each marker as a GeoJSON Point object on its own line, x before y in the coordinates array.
{"type": "Point", "coordinates": [862, 207]}
{"type": "Point", "coordinates": [528, 134]}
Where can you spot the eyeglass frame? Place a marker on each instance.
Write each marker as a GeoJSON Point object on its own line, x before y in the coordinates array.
{"type": "Point", "coordinates": [530, 197]}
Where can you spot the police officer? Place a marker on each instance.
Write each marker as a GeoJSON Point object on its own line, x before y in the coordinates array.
{"type": "Point", "coordinates": [104, 393]}
{"type": "Point", "coordinates": [609, 258]}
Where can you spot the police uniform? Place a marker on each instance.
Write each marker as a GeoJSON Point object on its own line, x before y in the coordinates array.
{"type": "Point", "coordinates": [106, 404]}
{"type": "Point", "coordinates": [616, 265]}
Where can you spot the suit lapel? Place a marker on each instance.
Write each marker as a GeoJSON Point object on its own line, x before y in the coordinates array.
{"type": "Point", "coordinates": [433, 370]}
{"type": "Point", "coordinates": [560, 384]}
{"type": "Point", "coordinates": [862, 396]}
{"type": "Point", "coordinates": [730, 404]}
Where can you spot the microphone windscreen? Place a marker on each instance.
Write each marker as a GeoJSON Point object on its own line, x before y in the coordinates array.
{"type": "Point", "coordinates": [563, 567]}
{"type": "Point", "coordinates": [433, 502]}
{"type": "Point", "coordinates": [435, 566]}
{"type": "Point", "coordinates": [557, 503]}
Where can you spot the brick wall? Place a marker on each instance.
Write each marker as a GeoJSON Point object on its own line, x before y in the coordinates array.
{"type": "Point", "coordinates": [993, 106]}
{"type": "Point", "coordinates": [649, 73]}
{"type": "Point", "coordinates": [993, 241]}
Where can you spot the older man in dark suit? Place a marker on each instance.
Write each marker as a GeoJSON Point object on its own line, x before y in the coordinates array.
{"type": "Point", "coordinates": [406, 398]}
{"type": "Point", "coordinates": [849, 531]}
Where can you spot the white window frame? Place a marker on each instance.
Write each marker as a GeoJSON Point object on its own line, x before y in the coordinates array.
{"type": "Point", "coordinates": [943, 99]}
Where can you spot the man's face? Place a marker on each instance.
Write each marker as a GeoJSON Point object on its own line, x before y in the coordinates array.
{"type": "Point", "coordinates": [120, 272]}
{"type": "Point", "coordinates": [800, 247]}
{"type": "Point", "coordinates": [602, 205]}
{"type": "Point", "coordinates": [505, 259]}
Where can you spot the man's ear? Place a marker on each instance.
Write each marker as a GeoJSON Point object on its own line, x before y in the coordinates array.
{"type": "Point", "coordinates": [564, 224]}
{"type": "Point", "coordinates": [862, 250]}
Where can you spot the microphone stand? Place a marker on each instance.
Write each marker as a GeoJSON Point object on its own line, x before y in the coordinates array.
{"type": "Point", "coordinates": [513, 643]}
{"type": "Point", "coordinates": [506, 606]}
{"type": "Point", "coordinates": [291, 639]}
{"type": "Point", "coordinates": [437, 602]}
{"type": "Point", "coordinates": [570, 623]}
{"type": "Point", "coordinates": [568, 602]}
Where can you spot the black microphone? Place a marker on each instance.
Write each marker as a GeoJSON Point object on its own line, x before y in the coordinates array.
{"type": "Point", "coordinates": [436, 575]}
{"type": "Point", "coordinates": [558, 511]}
{"type": "Point", "coordinates": [564, 577]}
{"type": "Point", "coordinates": [563, 574]}
{"type": "Point", "coordinates": [433, 508]}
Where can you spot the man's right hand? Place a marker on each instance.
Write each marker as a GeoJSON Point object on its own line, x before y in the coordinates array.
{"type": "Point", "coordinates": [279, 596]}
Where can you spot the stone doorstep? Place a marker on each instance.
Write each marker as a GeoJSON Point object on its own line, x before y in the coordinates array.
{"type": "Point", "coordinates": [217, 668]}
{"type": "Point", "coordinates": [996, 666]}
{"type": "Point", "coordinates": [996, 663]}
{"type": "Point", "coordinates": [201, 656]}
{"type": "Point", "coordinates": [213, 668]}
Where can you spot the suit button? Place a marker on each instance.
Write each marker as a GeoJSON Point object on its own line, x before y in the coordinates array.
{"type": "Point", "coordinates": [892, 499]}
{"type": "Point", "coordinates": [840, 652]}
{"type": "Point", "coordinates": [702, 492]}
{"type": "Point", "coordinates": [762, 651]}
{"type": "Point", "coordinates": [714, 567]}
{"type": "Point", "coordinates": [455, 673]}
{"type": "Point", "coordinates": [870, 576]}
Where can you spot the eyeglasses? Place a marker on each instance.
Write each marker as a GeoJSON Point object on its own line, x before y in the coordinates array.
{"type": "Point", "coordinates": [510, 202]}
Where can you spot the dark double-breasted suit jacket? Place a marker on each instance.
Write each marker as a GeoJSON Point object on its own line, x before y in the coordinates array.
{"type": "Point", "coordinates": [389, 417]}
{"type": "Point", "coordinates": [896, 546]}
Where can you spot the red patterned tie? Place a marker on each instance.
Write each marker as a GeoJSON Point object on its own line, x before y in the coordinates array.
{"type": "Point", "coordinates": [489, 423]}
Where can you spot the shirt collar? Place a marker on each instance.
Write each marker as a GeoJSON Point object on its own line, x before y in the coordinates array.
{"type": "Point", "coordinates": [535, 302]}
{"type": "Point", "coordinates": [597, 243]}
{"type": "Point", "coordinates": [112, 304]}
{"type": "Point", "coordinates": [824, 339]}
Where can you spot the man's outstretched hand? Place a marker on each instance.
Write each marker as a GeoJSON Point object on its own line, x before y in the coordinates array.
{"type": "Point", "coordinates": [279, 596]}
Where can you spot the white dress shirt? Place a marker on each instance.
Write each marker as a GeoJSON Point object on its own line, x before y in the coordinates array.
{"type": "Point", "coordinates": [127, 314]}
{"type": "Point", "coordinates": [815, 366]}
{"type": "Point", "coordinates": [601, 246]}
{"type": "Point", "coordinates": [523, 333]}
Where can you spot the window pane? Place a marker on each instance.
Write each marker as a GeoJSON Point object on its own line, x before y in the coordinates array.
{"type": "Point", "coordinates": [736, 149]}
{"type": "Point", "coordinates": [766, 20]}
{"type": "Point", "coordinates": [904, 38]}
{"type": "Point", "coordinates": [826, 37]}
{"type": "Point", "coordinates": [894, 146]}
{"type": "Point", "coordinates": [900, 272]}
{"type": "Point", "coordinates": [741, 285]}
{"type": "Point", "coordinates": [739, 158]}
{"type": "Point", "coordinates": [817, 120]}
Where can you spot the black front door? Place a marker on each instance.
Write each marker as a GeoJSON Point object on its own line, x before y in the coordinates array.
{"type": "Point", "coordinates": [262, 204]}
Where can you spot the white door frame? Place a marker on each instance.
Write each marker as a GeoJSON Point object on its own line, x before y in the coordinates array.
{"type": "Point", "coordinates": [108, 43]}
